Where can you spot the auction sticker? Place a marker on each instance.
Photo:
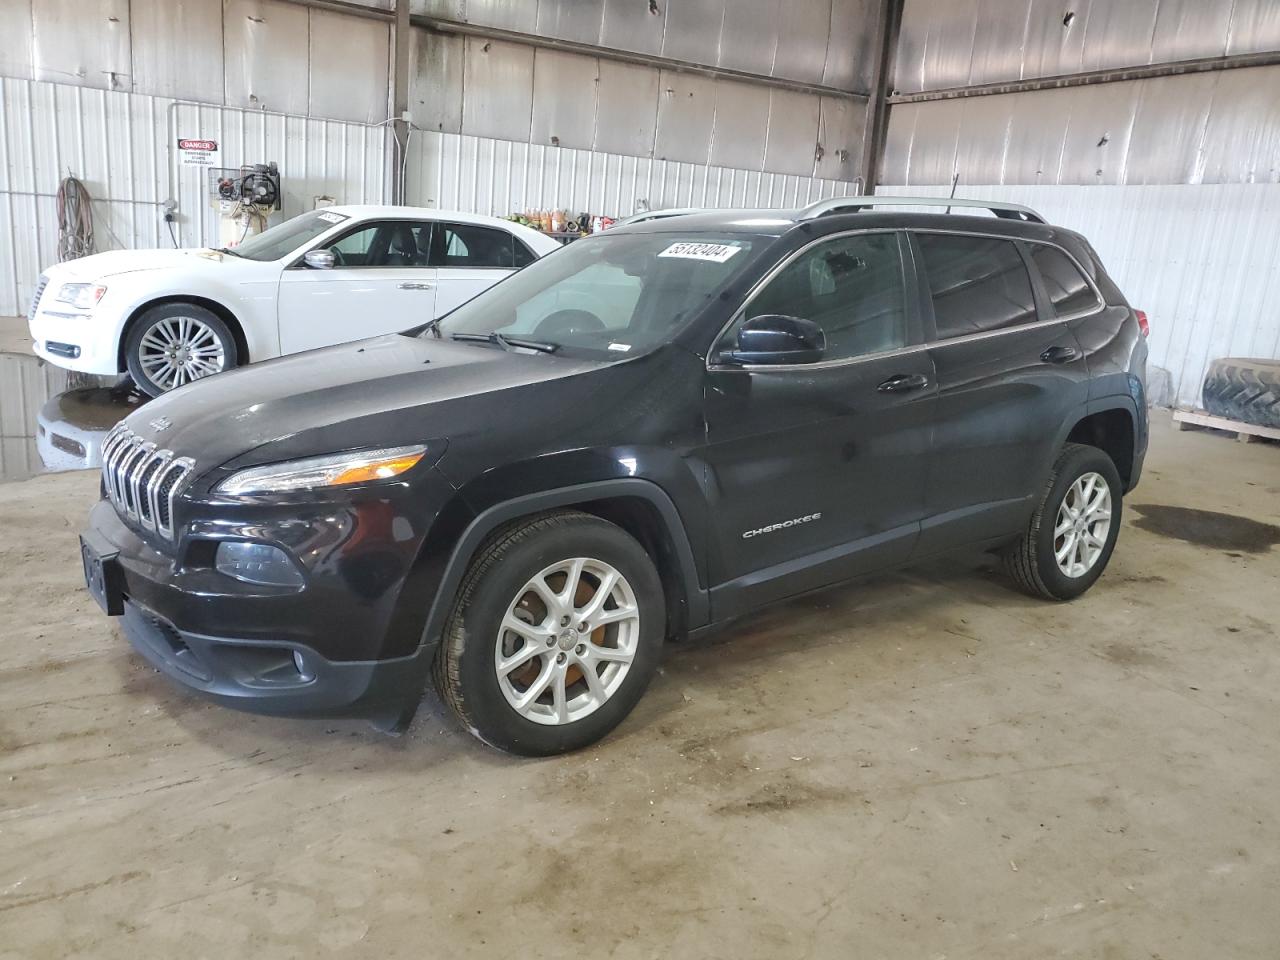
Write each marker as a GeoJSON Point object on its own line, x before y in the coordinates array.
{"type": "Point", "coordinates": [715, 252]}
{"type": "Point", "coordinates": [332, 217]}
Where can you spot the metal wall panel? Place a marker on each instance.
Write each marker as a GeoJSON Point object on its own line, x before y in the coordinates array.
{"type": "Point", "coordinates": [177, 48]}
{"type": "Point", "coordinates": [349, 68]}
{"type": "Point", "coordinates": [1190, 28]}
{"type": "Point", "coordinates": [1255, 26]}
{"type": "Point", "coordinates": [841, 137]}
{"type": "Point", "coordinates": [518, 15]}
{"type": "Point", "coordinates": [633, 26]}
{"type": "Point", "coordinates": [852, 44]}
{"type": "Point", "coordinates": [1117, 34]}
{"type": "Point", "coordinates": [935, 44]}
{"type": "Point", "coordinates": [1204, 127]}
{"type": "Point", "coordinates": [1054, 38]}
{"type": "Point", "coordinates": [741, 125]}
{"type": "Point", "coordinates": [82, 41]}
{"type": "Point", "coordinates": [686, 115]}
{"type": "Point", "coordinates": [499, 177]}
{"type": "Point", "coordinates": [435, 80]}
{"type": "Point", "coordinates": [1164, 246]}
{"type": "Point", "coordinates": [565, 87]}
{"type": "Point", "coordinates": [998, 41]}
{"type": "Point", "coordinates": [122, 146]}
{"type": "Point", "coordinates": [749, 37]}
{"type": "Point", "coordinates": [15, 40]}
{"type": "Point", "coordinates": [266, 44]}
{"type": "Point", "coordinates": [795, 120]}
{"type": "Point", "coordinates": [627, 115]}
{"type": "Point", "coordinates": [498, 89]}
{"type": "Point", "coordinates": [580, 20]}
{"type": "Point", "coordinates": [693, 30]}
{"type": "Point", "coordinates": [803, 31]}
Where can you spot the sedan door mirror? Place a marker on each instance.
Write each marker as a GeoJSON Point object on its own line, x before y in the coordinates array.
{"type": "Point", "coordinates": [773, 339]}
{"type": "Point", "coordinates": [319, 259]}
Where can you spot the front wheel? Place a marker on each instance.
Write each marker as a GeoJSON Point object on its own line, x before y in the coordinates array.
{"type": "Point", "coordinates": [554, 635]}
{"type": "Point", "coordinates": [175, 343]}
{"type": "Point", "coordinates": [1073, 531]}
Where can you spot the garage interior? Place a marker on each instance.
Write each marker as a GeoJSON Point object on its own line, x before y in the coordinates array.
{"type": "Point", "coordinates": [922, 763]}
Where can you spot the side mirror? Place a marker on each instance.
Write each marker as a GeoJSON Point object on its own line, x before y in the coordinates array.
{"type": "Point", "coordinates": [772, 338]}
{"type": "Point", "coordinates": [319, 259]}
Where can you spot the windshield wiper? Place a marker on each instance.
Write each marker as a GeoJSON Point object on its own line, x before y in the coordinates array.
{"type": "Point", "coordinates": [506, 342]}
{"type": "Point", "coordinates": [228, 250]}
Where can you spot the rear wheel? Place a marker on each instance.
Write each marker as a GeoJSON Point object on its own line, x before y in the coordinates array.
{"type": "Point", "coordinates": [555, 633]}
{"type": "Point", "coordinates": [175, 343]}
{"type": "Point", "coordinates": [1073, 531]}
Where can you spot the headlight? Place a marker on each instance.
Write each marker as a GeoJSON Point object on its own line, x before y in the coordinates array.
{"type": "Point", "coordinates": [82, 295]}
{"type": "Point", "coordinates": [356, 466]}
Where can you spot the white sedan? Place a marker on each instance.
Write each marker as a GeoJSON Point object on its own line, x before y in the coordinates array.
{"type": "Point", "coordinates": [330, 276]}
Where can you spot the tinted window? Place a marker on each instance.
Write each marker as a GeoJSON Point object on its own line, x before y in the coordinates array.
{"type": "Point", "coordinates": [393, 243]}
{"type": "Point", "coordinates": [465, 245]}
{"type": "Point", "coordinates": [850, 286]}
{"type": "Point", "coordinates": [977, 283]}
{"type": "Point", "coordinates": [524, 256]}
{"type": "Point", "coordinates": [1068, 290]}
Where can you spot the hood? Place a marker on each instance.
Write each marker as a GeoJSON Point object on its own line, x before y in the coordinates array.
{"type": "Point", "coordinates": [386, 391]}
{"type": "Point", "coordinates": [114, 262]}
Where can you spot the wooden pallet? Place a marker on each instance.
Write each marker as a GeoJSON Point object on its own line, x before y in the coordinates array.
{"type": "Point", "coordinates": [1245, 432]}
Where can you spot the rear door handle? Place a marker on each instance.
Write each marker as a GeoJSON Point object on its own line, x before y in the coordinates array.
{"type": "Point", "coordinates": [1060, 355]}
{"type": "Point", "coordinates": [415, 285]}
{"type": "Point", "coordinates": [903, 383]}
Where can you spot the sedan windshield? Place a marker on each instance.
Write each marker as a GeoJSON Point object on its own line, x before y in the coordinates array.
{"type": "Point", "coordinates": [609, 296]}
{"type": "Point", "coordinates": [284, 238]}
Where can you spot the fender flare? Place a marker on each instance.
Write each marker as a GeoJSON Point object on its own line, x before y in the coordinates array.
{"type": "Point", "coordinates": [697, 599]}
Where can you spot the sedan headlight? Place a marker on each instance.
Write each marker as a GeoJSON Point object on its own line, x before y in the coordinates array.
{"type": "Point", "coordinates": [339, 469]}
{"type": "Point", "coordinates": [82, 295]}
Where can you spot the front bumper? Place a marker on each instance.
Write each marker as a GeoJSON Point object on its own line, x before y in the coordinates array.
{"type": "Point", "coordinates": [343, 645]}
{"type": "Point", "coordinates": [94, 340]}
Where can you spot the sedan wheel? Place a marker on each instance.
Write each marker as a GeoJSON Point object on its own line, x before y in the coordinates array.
{"type": "Point", "coordinates": [176, 343]}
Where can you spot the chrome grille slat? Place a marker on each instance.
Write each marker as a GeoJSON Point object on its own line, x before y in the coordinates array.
{"type": "Point", "coordinates": [142, 481]}
{"type": "Point", "coordinates": [35, 300]}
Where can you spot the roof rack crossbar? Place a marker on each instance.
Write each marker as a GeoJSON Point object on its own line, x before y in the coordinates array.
{"type": "Point", "coordinates": [1006, 211]}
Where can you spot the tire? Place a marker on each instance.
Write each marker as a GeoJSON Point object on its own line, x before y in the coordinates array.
{"type": "Point", "coordinates": [179, 326]}
{"type": "Point", "coordinates": [1032, 562]}
{"type": "Point", "coordinates": [497, 584]}
{"type": "Point", "coordinates": [1244, 390]}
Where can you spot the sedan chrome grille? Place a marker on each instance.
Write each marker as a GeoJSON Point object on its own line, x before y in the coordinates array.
{"type": "Point", "coordinates": [141, 480]}
{"type": "Point", "coordinates": [35, 301]}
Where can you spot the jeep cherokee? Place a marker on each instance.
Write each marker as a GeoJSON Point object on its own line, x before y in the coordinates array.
{"type": "Point", "coordinates": [646, 434]}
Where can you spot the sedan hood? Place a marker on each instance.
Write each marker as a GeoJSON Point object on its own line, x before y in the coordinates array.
{"type": "Point", "coordinates": [386, 391]}
{"type": "Point", "coordinates": [114, 262]}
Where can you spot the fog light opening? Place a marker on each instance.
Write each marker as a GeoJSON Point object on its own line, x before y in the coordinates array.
{"type": "Point", "coordinates": [305, 673]}
{"type": "Point", "coordinates": [259, 563]}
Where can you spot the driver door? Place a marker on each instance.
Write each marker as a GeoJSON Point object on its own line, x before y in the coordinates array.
{"type": "Point", "coordinates": [817, 470]}
{"type": "Point", "coordinates": [380, 283]}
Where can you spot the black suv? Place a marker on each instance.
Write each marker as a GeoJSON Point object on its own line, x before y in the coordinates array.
{"type": "Point", "coordinates": [643, 435]}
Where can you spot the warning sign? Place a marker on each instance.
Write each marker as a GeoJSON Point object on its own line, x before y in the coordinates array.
{"type": "Point", "coordinates": [198, 153]}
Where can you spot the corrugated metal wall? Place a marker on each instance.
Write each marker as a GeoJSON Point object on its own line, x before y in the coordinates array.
{"type": "Point", "coordinates": [1221, 127]}
{"type": "Point", "coordinates": [449, 171]}
{"type": "Point", "coordinates": [515, 91]}
{"type": "Point", "coordinates": [122, 146]}
{"type": "Point", "coordinates": [1200, 259]}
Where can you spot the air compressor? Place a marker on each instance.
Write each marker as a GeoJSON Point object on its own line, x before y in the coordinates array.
{"type": "Point", "coordinates": [244, 197]}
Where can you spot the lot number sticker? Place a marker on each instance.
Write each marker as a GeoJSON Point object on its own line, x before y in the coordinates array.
{"type": "Point", "coordinates": [715, 252]}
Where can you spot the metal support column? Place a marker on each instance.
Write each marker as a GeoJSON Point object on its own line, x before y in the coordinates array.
{"type": "Point", "coordinates": [878, 107]}
{"type": "Point", "coordinates": [400, 127]}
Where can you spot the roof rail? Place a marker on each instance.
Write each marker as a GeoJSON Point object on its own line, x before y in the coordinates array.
{"type": "Point", "coordinates": [1006, 211]}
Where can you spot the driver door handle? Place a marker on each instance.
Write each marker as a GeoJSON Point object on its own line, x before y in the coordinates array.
{"type": "Point", "coordinates": [1060, 355]}
{"type": "Point", "coordinates": [415, 285]}
{"type": "Point", "coordinates": [904, 383]}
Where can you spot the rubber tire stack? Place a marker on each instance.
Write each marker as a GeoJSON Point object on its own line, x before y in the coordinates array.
{"type": "Point", "coordinates": [1244, 390]}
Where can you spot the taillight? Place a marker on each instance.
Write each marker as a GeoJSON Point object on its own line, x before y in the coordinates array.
{"type": "Point", "coordinates": [1143, 323]}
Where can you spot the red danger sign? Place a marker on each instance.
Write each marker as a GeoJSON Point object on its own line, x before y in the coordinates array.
{"type": "Point", "coordinates": [204, 145]}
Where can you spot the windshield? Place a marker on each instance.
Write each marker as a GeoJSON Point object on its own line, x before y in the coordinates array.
{"type": "Point", "coordinates": [608, 296]}
{"type": "Point", "coordinates": [284, 238]}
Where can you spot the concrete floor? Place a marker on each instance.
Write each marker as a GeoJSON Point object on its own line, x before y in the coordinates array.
{"type": "Point", "coordinates": [924, 765]}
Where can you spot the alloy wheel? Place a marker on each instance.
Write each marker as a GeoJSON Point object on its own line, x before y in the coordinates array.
{"type": "Point", "coordinates": [567, 641]}
{"type": "Point", "coordinates": [1084, 520]}
{"type": "Point", "coordinates": [177, 350]}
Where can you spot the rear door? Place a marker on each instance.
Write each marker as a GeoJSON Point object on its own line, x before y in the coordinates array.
{"type": "Point", "coordinates": [1010, 373]}
{"type": "Point", "coordinates": [380, 283]}
{"type": "Point", "coordinates": [816, 471]}
{"type": "Point", "coordinates": [470, 258]}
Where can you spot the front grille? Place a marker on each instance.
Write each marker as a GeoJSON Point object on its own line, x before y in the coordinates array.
{"type": "Point", "coordinates": [35, 301]}
{"type": "Point", "coordinates": [141, 480]}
